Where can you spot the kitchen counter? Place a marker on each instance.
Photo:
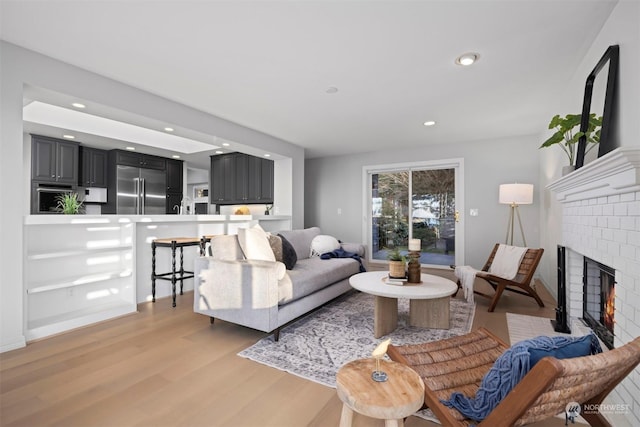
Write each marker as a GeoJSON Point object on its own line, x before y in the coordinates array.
{"type": "Point", "coordinates": [121, 219]}
{"type": "Point", "coordinates": [80, 269]}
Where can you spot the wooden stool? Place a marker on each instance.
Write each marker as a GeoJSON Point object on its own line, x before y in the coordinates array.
{"type": "Point", "coordinates": [174, 275]}
{"type": "Point", "coordinates": [393, 400]}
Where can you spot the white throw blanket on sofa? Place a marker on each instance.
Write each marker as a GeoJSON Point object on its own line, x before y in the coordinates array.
{"type": "Point", "coordinates": [506, 263]}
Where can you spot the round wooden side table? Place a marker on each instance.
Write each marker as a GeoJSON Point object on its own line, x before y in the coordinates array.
{"type": "Point", "coordinates": [393, 400]}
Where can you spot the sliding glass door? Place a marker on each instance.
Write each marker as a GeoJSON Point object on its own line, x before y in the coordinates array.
{"type": "Point", "coordinates": [417, 202]}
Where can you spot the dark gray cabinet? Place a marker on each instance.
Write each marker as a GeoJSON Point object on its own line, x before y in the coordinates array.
{"type": "Point", "coordinates": [128, 158]}
{"type": "Point", "coordinates": [54, 160]}
{"type": "Point", "coordinates": [237, 178]}
{"type": "Point", "coordinates": [174, 185]}
{"type": "Point", "coordinates": [93, 167]}
{"type": "Point", "coordinates": [174, 176]}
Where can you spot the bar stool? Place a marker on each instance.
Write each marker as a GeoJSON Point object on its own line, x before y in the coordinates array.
{"type": "Point", "coordinates": [174, 275]}
{"type": "Point", "coordinates": [203, 243]}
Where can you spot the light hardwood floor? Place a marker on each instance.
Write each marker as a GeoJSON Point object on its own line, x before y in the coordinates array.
{"type": "Point", "coordinates": [168, 366]}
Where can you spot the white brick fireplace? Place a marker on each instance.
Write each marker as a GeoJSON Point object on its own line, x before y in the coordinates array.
{"type": "Point", "coordinates": [601, 220]}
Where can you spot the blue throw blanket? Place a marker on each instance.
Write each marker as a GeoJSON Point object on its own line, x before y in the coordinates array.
{"type": "Point", "coordinates": [512, 366]}
{"type": "Point", "coordinates": [341, 253]}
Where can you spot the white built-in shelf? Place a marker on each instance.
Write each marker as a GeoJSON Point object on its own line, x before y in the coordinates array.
{"type": "Point", "coordinates": [78, 281]}
{"type": "Point", "coordinates": [75, 252]}
{"type": "Point", "coordinates": [39, 328]}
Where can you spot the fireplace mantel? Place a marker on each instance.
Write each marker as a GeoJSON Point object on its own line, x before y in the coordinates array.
{"type": "Point", "coordinates": [614, 173]}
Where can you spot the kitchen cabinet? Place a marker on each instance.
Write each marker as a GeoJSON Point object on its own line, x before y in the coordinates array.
{"type": "Point", "coordinates": [238, 178]}
{"type": "Point", "coordinates": [128, 158]}
{"type": "Point", "coordinates": [222, 180]}
{"type": "Point", "coordinates": [93, 167]}
{"type": "Point", "coordinates": [54, 160]}
{"type": "Point", "coordinates": [174, 185]}
{"type": "Point", "coordinates": [174, 176]}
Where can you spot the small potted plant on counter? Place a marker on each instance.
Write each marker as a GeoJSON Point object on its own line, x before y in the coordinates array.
{"type": "Point", "coordinates": [69, 204]}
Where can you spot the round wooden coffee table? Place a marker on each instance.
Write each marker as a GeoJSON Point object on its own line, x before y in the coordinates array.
{"type": "Point", "coordinates": [428, 305]}
{"type": "Point", "coordinates": [393, 400]}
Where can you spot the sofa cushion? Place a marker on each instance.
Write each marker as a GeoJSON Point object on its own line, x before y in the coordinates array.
{"type": "Point", "coordinates": [289, 256]}
{"type": "Point", "coordinates": [301, 240]}
{"type": "Point", "coordinates": [255, 244]}
{"type": "Point", "coordinates": [313, 274]}
{"type": "Point", "coordinates": [321, 244]}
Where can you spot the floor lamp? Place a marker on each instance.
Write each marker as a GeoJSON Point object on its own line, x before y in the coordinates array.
{"type": "Point", "coordinates": [515, 195]}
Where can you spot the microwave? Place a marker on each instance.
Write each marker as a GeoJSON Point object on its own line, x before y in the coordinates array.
{"type": "Point", "coordinates": [44, 197]}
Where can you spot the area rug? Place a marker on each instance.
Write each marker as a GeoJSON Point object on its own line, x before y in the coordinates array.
{"type": "Point", "coordinates": [523, 327]}
{"type": "Point", "coordinates": [316, 346]}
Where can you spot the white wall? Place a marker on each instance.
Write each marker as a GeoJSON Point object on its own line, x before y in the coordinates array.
{"type": "Point", "coordinates": [336, 182]}
{"type": "Point", "coordinates": [622, 28]}
{"type": "Point", "coordinates": [23, 67]}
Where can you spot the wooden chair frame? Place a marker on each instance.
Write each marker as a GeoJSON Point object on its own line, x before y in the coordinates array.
{"type": "Point", "coordinates": [521, 284]}
{"type": "Point", "coordinates": [544, 392]}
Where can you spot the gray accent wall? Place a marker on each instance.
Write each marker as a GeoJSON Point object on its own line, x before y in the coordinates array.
{"type": "Point", "coordinates": [333, 183]}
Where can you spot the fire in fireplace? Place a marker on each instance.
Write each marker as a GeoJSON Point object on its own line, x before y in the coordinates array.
{"type": "Point", "coordinates": [599, 299]}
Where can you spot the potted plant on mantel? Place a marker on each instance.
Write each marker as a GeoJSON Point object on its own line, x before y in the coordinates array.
{"type": "Point", "coordinates": [69, 204]}
{"type": "Point", "coordinates": [396, 264]}
{"type": "Point", "coordinates": [568, 140]}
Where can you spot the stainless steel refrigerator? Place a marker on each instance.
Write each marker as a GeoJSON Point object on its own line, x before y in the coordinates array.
{"type": "Point", "coordinates": [140, 191]}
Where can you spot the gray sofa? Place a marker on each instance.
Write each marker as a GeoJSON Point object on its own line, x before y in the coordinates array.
{"type": "Point", "coordinates": [261, 294]}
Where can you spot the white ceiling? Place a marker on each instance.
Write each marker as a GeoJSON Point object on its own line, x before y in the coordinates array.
{"type": "Point", "coordinates": [268, 64]}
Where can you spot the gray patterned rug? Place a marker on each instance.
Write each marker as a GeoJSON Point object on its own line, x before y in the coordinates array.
{"type": "Point", "coordinates": [316, 346]}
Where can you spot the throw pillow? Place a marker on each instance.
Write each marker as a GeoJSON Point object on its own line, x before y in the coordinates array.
{"type": "Point", "coordinates": [565, 348]}
{"type": "Point", "coordinates": [322, 244]}
{"type": "Point", "coordinates": [276, 246]}
{"type": "Point", "coordinates": [289, 256]}
{"type": "Point", "coordinates": [255, 244]}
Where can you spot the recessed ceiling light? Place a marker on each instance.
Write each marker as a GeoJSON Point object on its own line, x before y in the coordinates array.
{"type": "Point", "coordinates": [168, 129]}
{"type": "Point", "coordinates": [78, 105]}
{"type": "Point", "coordinates": [175, 156]}
{"type": "Point", "coordinates": [429, 123]}
{"type": "Point", "coordinates": [332, 89]}
{"type": "Point", "coordinates": [130, 148]}
{"type": "Point", "coordinates": [68, 136]}
{"type": "Point", "coordinates": [225, 144]}
{"type": "Point", "coordinates": [467, 59]}
{"type": "Point", "coordinates": [219, 152]}
{"type": "Point", "coordinates": [267, 155]}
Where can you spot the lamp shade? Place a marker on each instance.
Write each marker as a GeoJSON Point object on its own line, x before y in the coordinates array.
{"type": "Point", "coordinates": [520, 194]}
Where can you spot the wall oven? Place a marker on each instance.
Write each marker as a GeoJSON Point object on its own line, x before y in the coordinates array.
{"type": "Point", "coordinates": [44, 197]}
